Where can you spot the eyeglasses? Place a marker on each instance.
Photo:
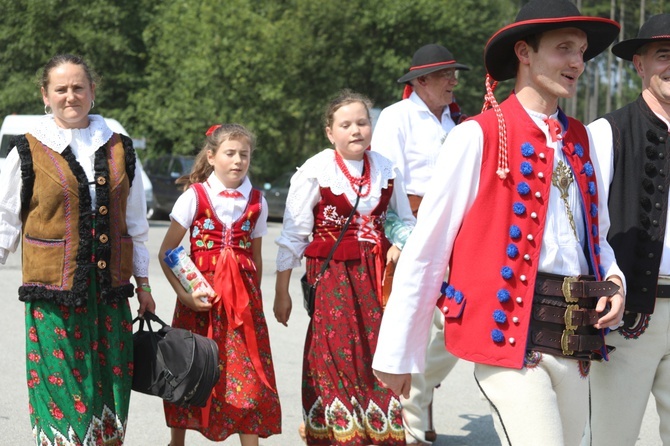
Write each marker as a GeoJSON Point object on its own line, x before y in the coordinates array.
{"type": "Point", "coordinates": [450, 74]}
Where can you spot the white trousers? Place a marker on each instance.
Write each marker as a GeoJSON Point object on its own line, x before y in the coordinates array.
{"type": "Point", "coordinates": [439, 363]}
{"type": "Point", "coordinates": [620, 388]}
{"type": "Point", "coordinates": [547, 404]}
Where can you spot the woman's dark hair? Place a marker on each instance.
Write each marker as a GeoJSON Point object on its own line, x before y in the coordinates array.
{"type": "Point", "coordinates": [61, 59]}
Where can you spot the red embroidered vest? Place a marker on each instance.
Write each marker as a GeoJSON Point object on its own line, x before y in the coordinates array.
{"type": "Point", "coordinates": [209, 235]}
{"type": "Point", "coordinates": [487, 304]}
{"type": "Point", "coordinates": [330, 214]}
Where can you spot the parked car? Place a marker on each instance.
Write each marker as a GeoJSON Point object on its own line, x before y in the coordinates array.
{"type": "Point", "coordinates": [275, 194]}
{"type": "Point", "coordinates": [163, 171]}
{"type": "Point", "coordinates": [14, 125]}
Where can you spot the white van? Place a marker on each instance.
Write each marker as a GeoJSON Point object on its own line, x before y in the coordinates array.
{"type": "Point", "coordinates": [14, 125]}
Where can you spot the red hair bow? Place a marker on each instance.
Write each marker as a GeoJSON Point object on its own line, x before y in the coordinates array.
{"type": "Point", "coordinates": [212, 129]}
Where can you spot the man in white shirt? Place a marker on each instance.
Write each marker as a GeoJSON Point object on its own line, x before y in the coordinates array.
{"type": "Point", "coordinates": [410, 133]}
{"type": "Point", "coordinates": [633, 147]}
{"type": "Point", "coordinates": [513, 211]}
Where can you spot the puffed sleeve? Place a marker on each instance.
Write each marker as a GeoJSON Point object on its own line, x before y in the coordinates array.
{"type": "Point", "coordinates": [298, 222]}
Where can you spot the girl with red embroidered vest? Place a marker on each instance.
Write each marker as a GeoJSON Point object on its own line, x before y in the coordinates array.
{"type": "Point", "coordinates": [227, 219]}
{"type": "Point", "coordinates": [343, 403]}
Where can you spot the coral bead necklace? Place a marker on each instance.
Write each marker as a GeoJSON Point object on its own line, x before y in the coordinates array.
{"type": "Point", "coordinates": [358, 184]}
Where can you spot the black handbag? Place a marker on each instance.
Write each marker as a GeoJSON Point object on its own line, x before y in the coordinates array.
{"type": "Point", "coordinates": [174, 364]}
{"type": "Point", "coordinates": [309, 289]}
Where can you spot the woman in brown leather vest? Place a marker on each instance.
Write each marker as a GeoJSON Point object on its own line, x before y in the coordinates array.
{"type": "Point", "coordinates": [72, 195]}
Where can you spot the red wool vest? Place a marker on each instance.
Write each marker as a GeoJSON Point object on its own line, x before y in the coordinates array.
{"type": "Point", "coordinates": [209, 235]}
{"type": "Point", "coordinates": [487, 304]}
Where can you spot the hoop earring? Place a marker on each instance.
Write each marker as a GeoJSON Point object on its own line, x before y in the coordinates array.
{"type": "Point", "coordinates": [47, 112]}
{"type": "Point", "coordinates": [92, 103]}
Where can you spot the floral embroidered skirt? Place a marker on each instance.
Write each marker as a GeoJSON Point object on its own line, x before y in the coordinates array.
{"type": "Point", "coordinates": [241, 403]}
{"type": "Point", "coordinates": [343, 402]}
{"type": "Point", "coordinates": [79, 371]}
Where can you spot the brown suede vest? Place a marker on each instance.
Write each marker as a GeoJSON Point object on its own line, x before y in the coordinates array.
{"type": "Point", "coordinates": [63, 238]}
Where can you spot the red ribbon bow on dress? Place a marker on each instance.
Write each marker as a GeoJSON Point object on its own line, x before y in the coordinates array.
{"type": "Point", "coordinates": [232, 292]}
{"type": "Point", "coordinates": [231, 194]}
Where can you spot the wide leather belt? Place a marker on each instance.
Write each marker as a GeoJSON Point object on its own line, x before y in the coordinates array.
{"type": "Point", "coordinates": [564, 313]}
{"type": "Point", "coordinates": [567, 342]}
{"type": "Point", "coordinates": [663, 291]}
{"type": "Point", "coordinates": [570, 316]}
{"type": "Point", "coordinates": [573, 288]}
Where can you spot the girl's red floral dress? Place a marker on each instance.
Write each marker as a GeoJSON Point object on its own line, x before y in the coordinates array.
{"type": "Point", "coordinates": [245, 399]}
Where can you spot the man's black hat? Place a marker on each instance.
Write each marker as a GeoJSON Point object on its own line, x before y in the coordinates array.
{"type": "Point", "coordinates": [654, 29]}
{"type": "Point", "coordinates": [430, 58]}
{"type": "Point", "coordinates": [538, 16]}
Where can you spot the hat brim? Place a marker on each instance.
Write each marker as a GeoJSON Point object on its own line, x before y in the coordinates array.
{"type": "Point", "coordinates": [626, 49]}
{"type": "Point", "coordinates": [500, 58]}
{"type": "Point", "coordinates": [413, 74]}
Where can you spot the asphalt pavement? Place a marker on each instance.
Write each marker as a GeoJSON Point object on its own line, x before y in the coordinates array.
{"type": "Point", "coordinates": [462, 417]}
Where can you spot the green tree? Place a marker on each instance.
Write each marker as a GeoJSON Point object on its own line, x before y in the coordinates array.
{"type": "Point", "coordinates": [107, 34]}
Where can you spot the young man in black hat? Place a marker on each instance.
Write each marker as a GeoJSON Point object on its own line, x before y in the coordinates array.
{"type": "Point", "coordinates": [633, 147]}
{"type": "Point", "coordinates": [410, 133]}
{"type": "Point", "coordinates": [513, 210]}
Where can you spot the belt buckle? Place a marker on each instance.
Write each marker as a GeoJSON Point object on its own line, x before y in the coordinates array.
{"type": "Point", "coordinates": [568, 317]}
{"type": "Point", "coordinates": [567, 291]}
{"type": "Point", "coordinates": [565, 342]}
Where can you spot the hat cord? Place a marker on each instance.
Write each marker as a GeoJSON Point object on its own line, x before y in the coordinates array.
{"type": "Point", "coordinates": [490, 102]}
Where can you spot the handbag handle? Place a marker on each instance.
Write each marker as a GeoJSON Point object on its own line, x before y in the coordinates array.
{"type": "Point", "coordinates": [148, 317]}
{"type": "Point", "coordinates": [339, 238]}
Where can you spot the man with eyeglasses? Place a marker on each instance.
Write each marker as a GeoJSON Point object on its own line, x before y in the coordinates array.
{"type": "Point", "coordinates": [410, 133]}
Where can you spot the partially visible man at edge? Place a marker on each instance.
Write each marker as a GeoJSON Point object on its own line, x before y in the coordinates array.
{"type": "Point", "coordinates": [633, 150]}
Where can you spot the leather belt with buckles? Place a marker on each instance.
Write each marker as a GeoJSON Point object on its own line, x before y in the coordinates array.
{"type": "Point", "coordinates": [571, 316]}
{"type": "Point", "coordinates": [564, 314]}
{"type": "Point", "coordinates": [567, 342]}
{"type": "Point", "coordinates": [573, 288]}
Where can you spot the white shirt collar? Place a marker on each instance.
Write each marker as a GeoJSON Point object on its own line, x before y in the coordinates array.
{"type": "Point", "coordinates": [423, 107]}
{"type": "Point", "coordinates": [217, 186]}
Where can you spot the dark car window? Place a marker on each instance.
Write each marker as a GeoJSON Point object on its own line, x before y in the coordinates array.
{"type": "Point", "coordinates": [176, 169]}
{"type": "Point", "coordinates": [161, 166]}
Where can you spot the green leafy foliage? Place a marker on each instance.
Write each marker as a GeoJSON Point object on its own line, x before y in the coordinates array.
{"type": "Point", "coordinates": [170, 69]}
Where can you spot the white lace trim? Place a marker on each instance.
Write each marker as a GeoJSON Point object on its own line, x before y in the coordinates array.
{"type": "Point", "coordinates": [57, 138]}
{"type": "Point", "coordinates": [286, 259]}
{"type": "Point", "coordinates": [140, 260]}
{"type": "Point", "coordinates": [323, 167]}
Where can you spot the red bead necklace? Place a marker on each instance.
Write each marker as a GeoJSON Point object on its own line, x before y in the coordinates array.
{"type": "Point", "coordinates": [358, 184]}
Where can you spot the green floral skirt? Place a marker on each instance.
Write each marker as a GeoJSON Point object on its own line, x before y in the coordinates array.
{"type": "Point", "coordinates": [79, 371]}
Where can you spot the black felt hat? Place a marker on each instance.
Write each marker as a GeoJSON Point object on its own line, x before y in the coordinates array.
{"type": "Point", "coordinates": [430, 58]}
{"type": "Point", "coordinates": [538, 16]}
{"type": "Point", "coordinates": [654, 29]}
